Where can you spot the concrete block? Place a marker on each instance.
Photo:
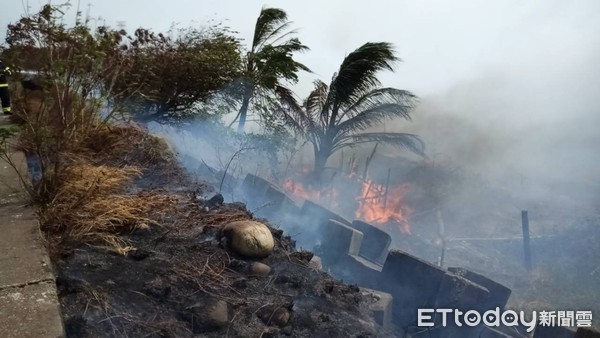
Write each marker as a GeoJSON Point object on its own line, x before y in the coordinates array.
{"type": "Point", "coordinates": [412, 282]}
{"type": "Point", "coordinates": [310, 225]}
{"type": "Point", "coordinates": [273, 203]}
{"type": "Point", "coordinates": [553, 332]}
{"type": "Point", "coordinates": [253, 189]}
{"type": "Point", "coordinates": [459, 293]}
{"type": "Point", "coordinates": [499, 294]}
{"type": "Point", "coordinates": [489, 332]}
{"type": "Point", "coordinates": [586, 332]}
{"type": "Point", "coordinates": [376, 242]}
{"type": "Point", "coordinates": [356, 270]}
{"type": "Point", "coordinates": [338, 241]}
{"type": "Point", "coordinates": [321, 213]}
{"type": "Point", "coordinates": [381, 305]}
{"type": "Point", "coordinates": [519, 331]}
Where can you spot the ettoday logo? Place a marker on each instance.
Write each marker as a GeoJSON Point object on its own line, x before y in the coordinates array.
{"type": "Point", "coordinates": [508, 318]}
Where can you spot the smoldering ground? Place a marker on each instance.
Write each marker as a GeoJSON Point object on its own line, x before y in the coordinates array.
{"type": "Point", "coordinates": [510, 120]}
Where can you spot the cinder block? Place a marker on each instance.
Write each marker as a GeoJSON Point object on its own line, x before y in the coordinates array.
{"type": "Point", "coordinates": [356, 270]}
{"type": "Point", "coordinates": [310, 225]}
{"type": "Point", "coordinates": [339, 240]}
{"type": "Point", "coordinates": [459, 293]}
{"type": "Point", "coordinates": [553, 331]}
{"type": "Point", "coordinates": [376, 242]}
{"type": "Point", "coordinates": [586, 332]}
{"type": "Point", "coordinates": [321, 213]}
{"type": "Point", "coordinates": [413, 283]}
{"type": "Point", "coordinates": [499, 294]}
{"type": "Point", "coordinates": [273, 203]}
{"type": "Point", "coordinates": [489, 332]}
{"type": "Point", "coordinates": [381, 305]}
{"type": "Point", "coordinates": [519, 331]}
{"type": "Point", "coordinates": [254, 188]}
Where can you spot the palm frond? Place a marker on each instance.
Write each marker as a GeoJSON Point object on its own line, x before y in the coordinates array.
{"type": "Point", "coordinates": [405, 141]}
{"type": "Point", "coordinates": [375, 107]}
{"type": "Point", "coordinates": [269, 20]}
{"type": "Point", "coordinates": [292, 113]}
{"type": "Point", "coordinates": [357, 74]}
{"type": "Point", "coordinates": [376, 97]}
{"type": "Point", "coordinates": [316, 100]}
{"type": "Point", "coordinates": [276, 35]}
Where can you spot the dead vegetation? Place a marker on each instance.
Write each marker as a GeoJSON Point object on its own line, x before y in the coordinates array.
{"type": "Point", "coordinates": [91, 206]}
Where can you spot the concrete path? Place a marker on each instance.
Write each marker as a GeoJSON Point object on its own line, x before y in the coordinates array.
{"type": "Point", "coordinates": [28, 302]}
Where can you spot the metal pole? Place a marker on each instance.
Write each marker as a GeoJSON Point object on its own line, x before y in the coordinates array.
{"type": "Point", "coordinates": [526, 243]}
{"type": "Point", "coordinates": [387, 187]}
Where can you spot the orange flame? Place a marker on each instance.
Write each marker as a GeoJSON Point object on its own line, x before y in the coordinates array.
{"type": "Point", "coordinates": [298, 190]}
{"type": "Point", "coordinates": [378, 207]}
{"type": "Point", "coordinates": [375, 205]}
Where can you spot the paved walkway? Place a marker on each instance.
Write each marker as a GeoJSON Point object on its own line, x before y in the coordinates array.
{"type": "Point", "coordinates": [28, 303]}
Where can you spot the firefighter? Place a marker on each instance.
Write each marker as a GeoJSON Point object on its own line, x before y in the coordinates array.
{"type": "Point", "coordinates": [4, 93]}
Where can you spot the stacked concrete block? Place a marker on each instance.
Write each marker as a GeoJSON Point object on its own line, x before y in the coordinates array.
{"type": "Point", "coordinates": [489, 332]}
{"type": "Point", "coordinates": [518, 331]}
{"type": "Point", "coordinates": [338, 240]}
{"type": "Point", "coordinates": [275, 204]}
{"type": "Point", "coordinates": [413, 283]}
{"type": "Point", "coordinates": [586, 332]}
{"type": "Point", "coordinates": [376, 242]}
{"type": "Point", "coordinates": [381, 305]}
{"type": "Point", "coordinates": [553, 332]}
{"type": "Point", "coordinates": [499, 294]}
{"type": "Point", "coordinates": [458, 293]}
{"type": "Point", "coordinates": [310, 224]}
{"type": "Point", "coordinates": [254, 189]}
{"type": "Point", "coordinates": [356, 270]}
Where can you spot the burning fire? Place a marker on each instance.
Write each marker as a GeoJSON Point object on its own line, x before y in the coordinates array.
{"type": "Point", "coordinates": [328, 196]}
{"type": "Point", "coordinates": [376, 204]}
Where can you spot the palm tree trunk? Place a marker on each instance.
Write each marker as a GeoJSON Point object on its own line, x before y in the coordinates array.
{"type": "Point", "coordinates": [243, 112]}
{"type": "Point", "coordinates": [322, 154]}
{"type": "Point", "coordinates": [320, 162]}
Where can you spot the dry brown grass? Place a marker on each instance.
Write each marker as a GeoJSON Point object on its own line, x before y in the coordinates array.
{"type": "Point", "coordinates": [129, 144]}
{"type": "Point", "coordinates": [91, 206]}
{"type": "Point", "coordinates": [222, 218]}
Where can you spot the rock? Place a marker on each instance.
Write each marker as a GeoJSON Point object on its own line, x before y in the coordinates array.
{"type": "Point", "coordinates": [215, 201]}
{"type": "Point", "coordinates": [218, 314]}
{"type": "Point", "coordinates": [271, 315]}
{"type": "Point", "coordinates": [259, 269]}
{"type": "Point", "coordinates": [209, 315]}
{"type": "Point", "coordinates": [315, 263]}
{"type": "Point", "coordinates": [304, 256]}
{"type": "Point", "coordinates": [249, 238]}
{"type": "Point", "coordinates": [138, 254]}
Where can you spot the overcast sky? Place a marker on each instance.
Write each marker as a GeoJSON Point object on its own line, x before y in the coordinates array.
{"type": "Point", "coordinates": [492, 75]}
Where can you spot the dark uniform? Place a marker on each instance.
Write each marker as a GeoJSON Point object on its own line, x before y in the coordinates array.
{"type": "Point", "coordinates": [4, 94]}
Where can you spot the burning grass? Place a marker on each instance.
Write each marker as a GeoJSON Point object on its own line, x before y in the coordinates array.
{"type": "Point", "coordinates": [382, 205]}
{"type": "Point", "coordinates": [91, 206]}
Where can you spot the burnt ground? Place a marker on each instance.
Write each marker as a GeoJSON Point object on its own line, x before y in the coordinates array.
{"type": "Point", "coordinates": [181, 281]}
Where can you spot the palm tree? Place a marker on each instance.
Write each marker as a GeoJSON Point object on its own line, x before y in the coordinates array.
{"type": "Point", "coordinates": [269, 62]}
{"type": "Point", "coordinates": [336, 116]}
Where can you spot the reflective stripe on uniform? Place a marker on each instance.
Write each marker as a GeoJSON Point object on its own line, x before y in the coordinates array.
{"type": "Point", "coordinates": [6, 109]}
{"type": "Point", "coordinates": [3, 85]}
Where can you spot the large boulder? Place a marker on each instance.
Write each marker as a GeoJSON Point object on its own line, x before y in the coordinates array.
{"type": "Point", "coordinates": [249, 238]}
